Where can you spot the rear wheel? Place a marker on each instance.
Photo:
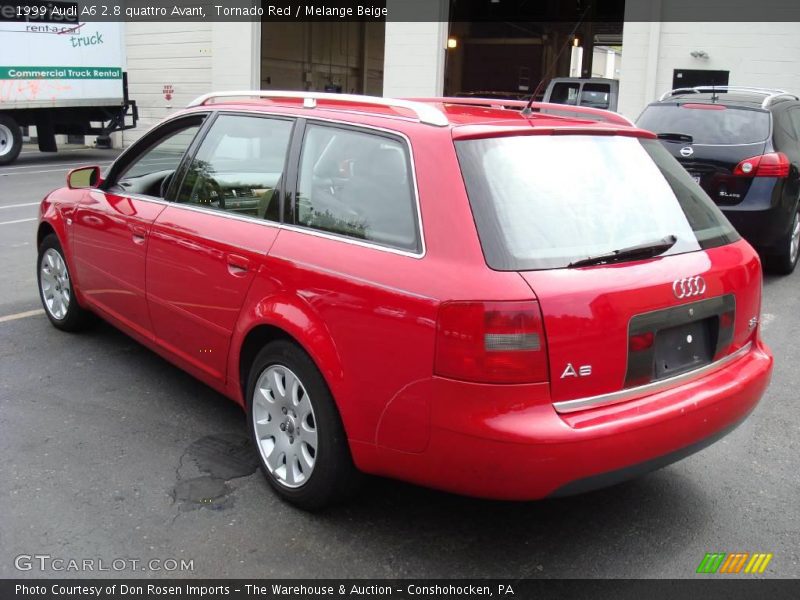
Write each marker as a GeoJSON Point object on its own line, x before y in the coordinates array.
{"type": "Point", "coordinates": [785, 261]}
{"type": "Point", "coordinates": [55, 287]}
{"type": "Point", "coordinates": [10, 140]}
{"type": "Point", "coordinates": [297, 430]}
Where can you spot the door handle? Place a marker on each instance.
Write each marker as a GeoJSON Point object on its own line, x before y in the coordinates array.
{"type": "Point", "coordinates": [138, 233]}
{"type": "Point", "coordinates": [237, 265]}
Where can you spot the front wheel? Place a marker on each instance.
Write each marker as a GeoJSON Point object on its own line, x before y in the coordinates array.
{"type": "Point", "coordinates": [296, 429]}
{"type": "Point", "coordinates": [785, 261]}
{"type": "Point", "coordinates": [55, 287]}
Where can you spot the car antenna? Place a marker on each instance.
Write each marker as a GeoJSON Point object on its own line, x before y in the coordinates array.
{"type": "Point", "coordinates": [527, 111]}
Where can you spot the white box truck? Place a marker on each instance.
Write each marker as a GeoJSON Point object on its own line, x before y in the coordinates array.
{"type": "Point", "coordinates": [61, 77]}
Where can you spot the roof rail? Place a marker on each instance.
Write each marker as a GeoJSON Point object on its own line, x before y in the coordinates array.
{"type": "Point", "coordinates": [587, 111]}
{"type": "Point", "coordinates": [424, 112]}
{"type": "Point", "coordinates": [770, 93]}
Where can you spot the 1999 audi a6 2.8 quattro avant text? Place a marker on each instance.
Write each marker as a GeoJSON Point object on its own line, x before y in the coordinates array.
{"type": "Point", "coordinates": [459, 293]}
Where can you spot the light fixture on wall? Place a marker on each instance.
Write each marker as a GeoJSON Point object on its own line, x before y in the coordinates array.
{"type": "Point", "coordinates": [699, 54]}
{"type": "Point", "coordinates": [452, 43]}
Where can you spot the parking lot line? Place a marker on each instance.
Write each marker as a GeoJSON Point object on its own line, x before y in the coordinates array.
{"type": "Point", "coordinates": [20, 205]}
{"type": "Point", "coordinates": [22, 315]}
{"type": "Point", "coordinates": [51, 164]}
{"type": "Point", "coordinates": [4, 174]}
{"type": "Point", "coordinates": [17, 221]}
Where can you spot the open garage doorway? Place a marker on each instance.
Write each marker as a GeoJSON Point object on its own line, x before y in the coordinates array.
{"type": "Point", "coordinates": [323, 57]}
{"type": "Point", "coordinates": [508, 49]}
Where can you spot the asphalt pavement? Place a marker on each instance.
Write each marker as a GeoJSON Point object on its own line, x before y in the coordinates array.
{"type": "Point", "coordinates": [110, 453]}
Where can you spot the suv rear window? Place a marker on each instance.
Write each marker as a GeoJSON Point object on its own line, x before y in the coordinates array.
{"type": "Point", "coordinates": [595, 95]}
{"type": "Point", "coordinates": [719, 125]}
{"type": "Point", "coordinates": [543, 202]}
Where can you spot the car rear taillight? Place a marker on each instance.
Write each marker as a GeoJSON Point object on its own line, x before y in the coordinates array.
{"type": "Point", "coordinates": [774, 164]}
{"type": "Point", "coordinates": [643, 341]}
{"type": "Point", "coordinates": [491, 342]}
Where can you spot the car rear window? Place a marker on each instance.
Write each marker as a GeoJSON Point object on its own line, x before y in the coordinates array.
{"type": "Point", "coordinates": [543, 202]}
{"type": "Point", "coordinates": [718, 125]}
{"type": "Point", "coordinates": [595, 95]}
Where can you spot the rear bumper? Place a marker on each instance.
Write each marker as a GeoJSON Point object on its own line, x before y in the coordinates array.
{"type": "Point", "coordinates": [762, 228]}
{"type": "Point", "coordinates": [501, 446]}
{"type": "Point", "coordinates": [764, 216]}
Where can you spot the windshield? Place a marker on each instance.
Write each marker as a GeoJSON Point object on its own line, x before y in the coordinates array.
{"type": "Point", "coordinates": [706, 125]}
{"type": "Point", "coordinates": [543, 202]}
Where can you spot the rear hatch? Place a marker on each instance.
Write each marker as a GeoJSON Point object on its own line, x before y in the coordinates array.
{"type": "Point", "coordinates": [638, 276]}
{"type": "Point", "coordinates": [710, 140]}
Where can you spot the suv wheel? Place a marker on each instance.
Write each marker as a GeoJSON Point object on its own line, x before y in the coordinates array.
{"type": "Point", "coordinates": [296, 429]}
{"type": "Point", "coordinates": [786, 260]}
{"type": "Point", "coordinates": [55, 287]}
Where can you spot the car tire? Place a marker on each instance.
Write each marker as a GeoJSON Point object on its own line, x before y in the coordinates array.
{"type": "Point", "coordinates": [10, 140]}
{"type": "Point", "coordinates": [785, 261]}
{"type": "Point", "coordinates": [55, 288]}
{"type": "Point", "coordinates": [296, 429]}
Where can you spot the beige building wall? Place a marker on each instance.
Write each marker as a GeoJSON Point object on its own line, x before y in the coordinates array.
{"type": "Point", "coordinates": [192, 58]}
{"type": "Point", "coordinates": [756, 54]}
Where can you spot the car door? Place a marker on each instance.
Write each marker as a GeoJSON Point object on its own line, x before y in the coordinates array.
{"type": "Point", "coordinates": [208, 244]}
{"type": "Point", "coordinates": [111, 224]}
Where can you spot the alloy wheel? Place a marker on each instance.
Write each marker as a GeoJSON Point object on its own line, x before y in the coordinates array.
{"type": "Point", "coordinates": [55, 284]}
{"type": "Point", "coordinates": [794, 241]}
{"type": "Point", "coordinates": [285, 426]}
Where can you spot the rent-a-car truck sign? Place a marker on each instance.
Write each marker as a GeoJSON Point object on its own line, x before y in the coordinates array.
{"type": "Point", "coordinates": [60, 64]}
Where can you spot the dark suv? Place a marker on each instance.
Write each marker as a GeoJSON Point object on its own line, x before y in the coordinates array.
{"type": "Point", "coordinates": [742, 146]}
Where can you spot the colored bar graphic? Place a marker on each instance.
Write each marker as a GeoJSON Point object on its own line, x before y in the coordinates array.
{"type": "Point", "coordinates": [722, 562]}
{"type": "Point", "coordinates": [758, 564]}
{"type": "Point", "coordinates": [734, 562]}
{"type": "Point", "coordinates": [711, 562]}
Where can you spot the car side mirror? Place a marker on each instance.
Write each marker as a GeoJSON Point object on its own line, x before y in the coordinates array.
{"type": "Point", "coordinates": [83, 177]}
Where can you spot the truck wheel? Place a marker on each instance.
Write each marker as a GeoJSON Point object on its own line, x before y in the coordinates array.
{"type": "Point", "coordinates": [10, 140]}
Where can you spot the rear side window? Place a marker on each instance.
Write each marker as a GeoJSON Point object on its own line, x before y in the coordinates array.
{"type": "Point", "coordinates": [717, 125]}
{"type": "Point", "coordinates": [543, 202]}
{"type": "Point", "coordinates": [357, 185]}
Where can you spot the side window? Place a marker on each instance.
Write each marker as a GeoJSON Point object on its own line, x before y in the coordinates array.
{"type": "Point", "coordinates": [239, 165]}
{"type": "Point", "coordinates": [565, 93]}
{"type": "Point", "coordinates": [794, 114]}
{"type": "Point", "coordinates": [783, 129]}
{"type": "Point", "coordinates": [357, 185]}
{"type": "Point", "coordinates": [151, 171]}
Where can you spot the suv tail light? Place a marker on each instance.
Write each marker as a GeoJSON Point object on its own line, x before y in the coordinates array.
{"type": "Point", "coordinates": [774, 164]}
{"type": "Point", "coordinates": [491, 342]}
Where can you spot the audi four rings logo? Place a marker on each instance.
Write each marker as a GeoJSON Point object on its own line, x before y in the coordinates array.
{"type": "Point", "coordinates": [689, 287]}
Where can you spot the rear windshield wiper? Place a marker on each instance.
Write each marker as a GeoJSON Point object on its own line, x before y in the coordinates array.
{"type": "Point", "coordinates": [640, 251]}
{"type": "Point", "coordinates": [676, 137]}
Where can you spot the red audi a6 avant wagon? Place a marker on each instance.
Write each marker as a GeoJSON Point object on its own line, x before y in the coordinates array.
{"type": "Point", "coordinates": [491, 301]}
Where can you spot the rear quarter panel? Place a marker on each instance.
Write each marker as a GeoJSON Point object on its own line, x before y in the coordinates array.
{"type": "Point", "coordinates": [367, 316]}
